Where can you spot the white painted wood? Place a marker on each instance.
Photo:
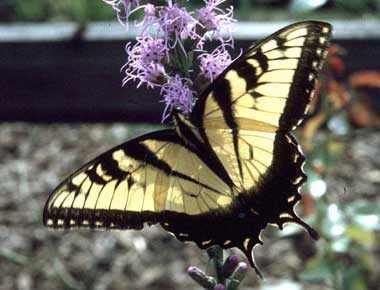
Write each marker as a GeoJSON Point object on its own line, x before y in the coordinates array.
{"type": "Point", "coordinates": [105, 31]}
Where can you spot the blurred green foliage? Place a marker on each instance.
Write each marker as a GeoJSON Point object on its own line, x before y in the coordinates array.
{"type": "Point", "coordinates": [97, 10]}
{"type": "Point", "coordinates": [50, 10]}
{"type": "Point", "coordinates": [348, 257]}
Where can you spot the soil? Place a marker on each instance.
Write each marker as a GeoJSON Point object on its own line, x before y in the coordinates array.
{"type": "Point", "coordinates": [35, 158]}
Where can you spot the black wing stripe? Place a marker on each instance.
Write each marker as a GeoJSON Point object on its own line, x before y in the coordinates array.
{"type": "Point", "coordinates": [203, 150]}
{"type": "Point", "coordinates": [222, 95]}
{"type": "Point", "coordinates": [143, 153]}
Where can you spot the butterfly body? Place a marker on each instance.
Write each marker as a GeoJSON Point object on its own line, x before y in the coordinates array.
{"type": "Point", "coordinates": [221, 175]}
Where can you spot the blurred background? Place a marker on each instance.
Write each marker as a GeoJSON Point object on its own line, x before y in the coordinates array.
{"type": "Point", "coordinates": [61, 104]}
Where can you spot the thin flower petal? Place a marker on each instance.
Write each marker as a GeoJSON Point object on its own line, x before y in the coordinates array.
{"type": "Point", "coordinates": [144, 61]}
{"type": "Point", "coordinates": [212, 64]}
{"type": "Point", "coordinates": [216, 20]}
{"type": "Point", "coordinates": [177, 95]}
{"type": "Point", "coordinates": [123, 9]}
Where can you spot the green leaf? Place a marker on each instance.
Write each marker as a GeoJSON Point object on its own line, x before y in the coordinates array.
{"type": "Point", "coordinates": [358, 6]}
{"type": "Point", "coordinates": [31, 10]}
{"type": "Point", "coordinates": [360, 235]}
{"type": "Point", "coordinates": [353, 279]}
{"type": "Point", "coordinates": [317, 269]}
{"type": "Point", "coordinates": [99, 11]}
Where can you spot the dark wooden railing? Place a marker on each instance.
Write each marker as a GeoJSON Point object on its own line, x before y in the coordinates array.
{"type": "Point", "coordinates": [70, 73]}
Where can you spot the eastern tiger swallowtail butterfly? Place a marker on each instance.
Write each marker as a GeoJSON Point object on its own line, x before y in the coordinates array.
{"type": "Point", "coordinates": [221, 175]}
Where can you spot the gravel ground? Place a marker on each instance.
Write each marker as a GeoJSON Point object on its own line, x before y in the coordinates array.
{"type": "Point", "coordinates": [35, 158]}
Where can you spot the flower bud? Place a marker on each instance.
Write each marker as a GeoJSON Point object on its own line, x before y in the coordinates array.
{"type": "Point", "coordinates": [201, 278]}
{"type": "Point", "coordinates": [230, 265]}
{"type": "Point", "coordinates": [219, 287]}
{"type": "Point", "coordinates": [240, 271]}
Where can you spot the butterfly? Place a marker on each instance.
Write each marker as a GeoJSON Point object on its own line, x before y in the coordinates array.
{"type": "Point", "coordinates": [220, 176]}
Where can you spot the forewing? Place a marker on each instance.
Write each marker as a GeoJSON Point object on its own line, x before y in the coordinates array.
{"type": "Point", "coordinates": [265, 91]}
{"type": "Point", "coordinates": [147, 179]}
{"type": "Point", "coordinates": [269, 87]}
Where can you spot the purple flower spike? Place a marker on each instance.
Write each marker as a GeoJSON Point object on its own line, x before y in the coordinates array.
{"type": "Point", "coordinates": [144, 61]}
{"type": "Point", "coordinates": [177, 95]}
{"type": "Point", "coordinates": [212, 64]}
{"type": "Point", "coordinates": [160, 58]}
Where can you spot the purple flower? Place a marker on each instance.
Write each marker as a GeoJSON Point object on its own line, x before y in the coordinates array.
{"type": "Point", "coordinates": [144, 61]}
{"type": "Point", "coordinates": [150, 18]}
{"type": "Point", "coordinates": [123, 8]}
{"type": "Point", "coordinates": [212, 64]}
{"type": "Point", "coordinates": [150, 13]}
{"type": "Point", "coordinates": [177, 95]}
{"type": "Point", "coordinates": [175, 21]}
{"type": "Point", "coordinates": [216, 20]}
{"type": "Point", "coordinates": [154, 75]}
{"type": "Point", "coordinates": [151, 50]}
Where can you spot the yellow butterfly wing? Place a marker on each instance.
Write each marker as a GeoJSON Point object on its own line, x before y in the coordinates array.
{"type": "Point", "coordinates": [246, 114]}
{"type": "Point", "coordinates": [143, 180]}
{"type": "Point", "coordinates": [270, 86]}
{"type": "Point", "coordinates": [264, 92]}
{"type": "Point", "coordinates": [222, 176]}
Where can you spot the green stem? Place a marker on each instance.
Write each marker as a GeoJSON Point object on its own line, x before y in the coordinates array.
{"type": "Point", "coordinates": [216, 256]}
{"type": "Point", "coordinates": [182, 61]}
